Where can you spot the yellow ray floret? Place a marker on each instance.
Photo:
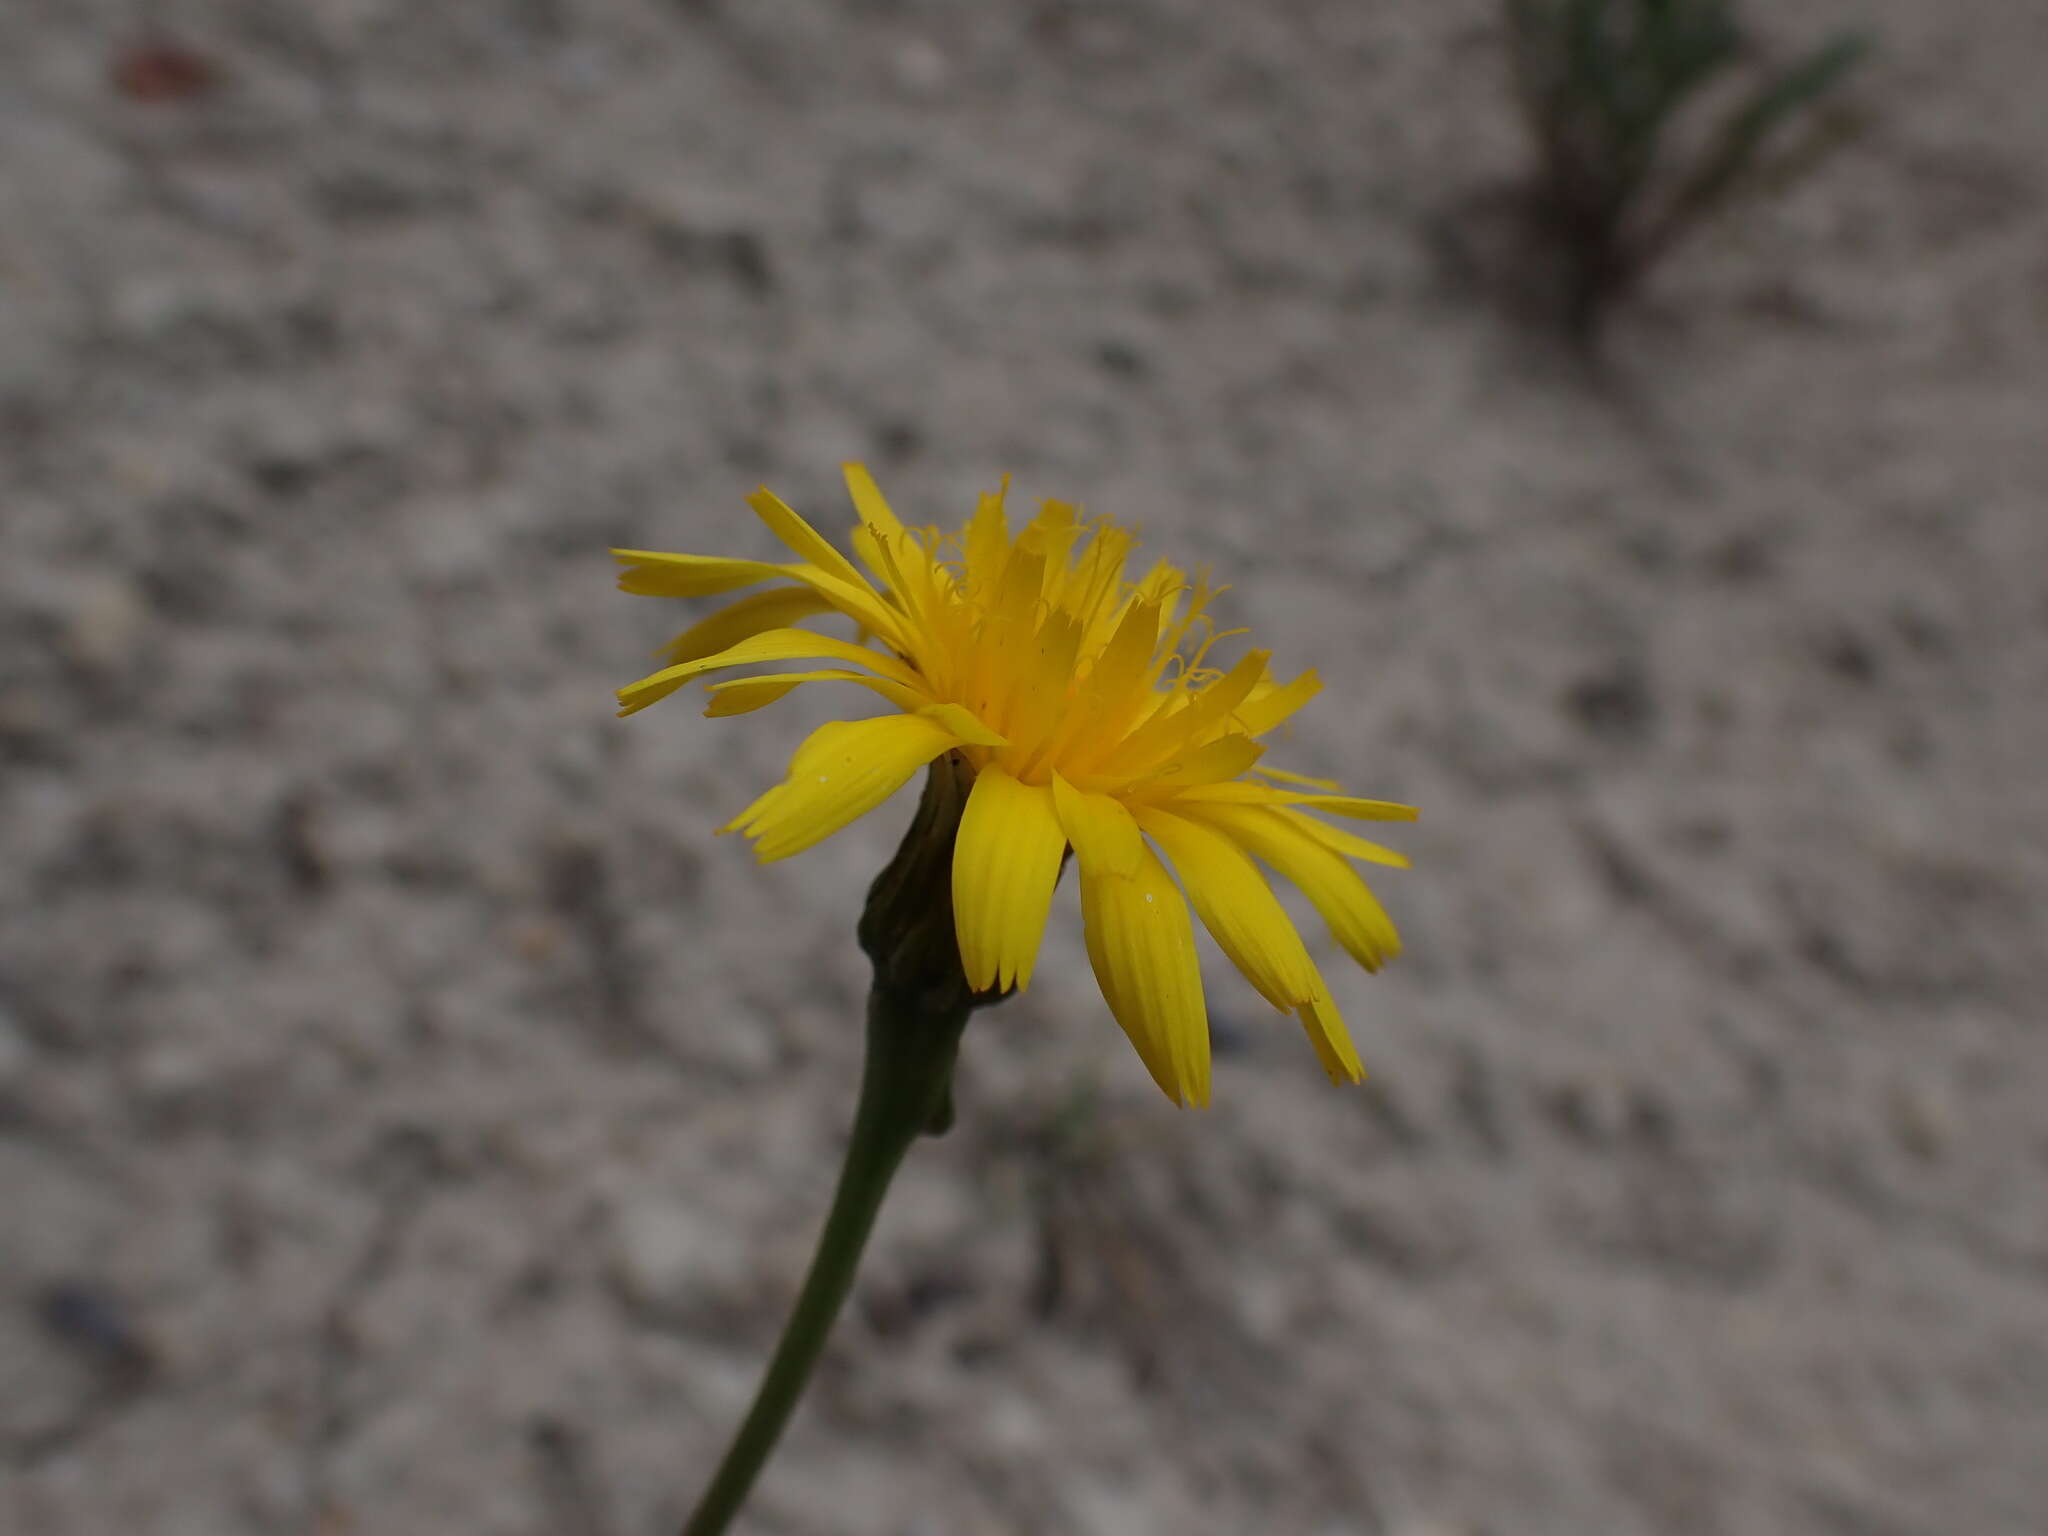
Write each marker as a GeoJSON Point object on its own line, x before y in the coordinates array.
{"type": "Point", "coordinates": [1085, 705]}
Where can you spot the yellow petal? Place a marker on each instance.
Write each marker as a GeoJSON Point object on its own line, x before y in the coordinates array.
{"type": "Point", "coordinates": [1111, 689]}
{"type": "Point", "coordinates": [1045, 672]}
{"type": "Point", "coordinates": [1167, 732]}
{"type": "Point", "coordinates": [1104, 836]}
{"type": "Point", "coordinates": [1222, 759]}
{"type": "Point", "coordinates": [747, 694]}
{"type": "Point", "coordinates": [651, 573]}
{"type": "Point", "coordinates": [900, 566]}
{"type": "Point", "coordinates": [1301, 778]}
{"type": "Point", "coordinates": [1238, 792]}
{"type": "Point", "coordinates": [1088, 589]}
{"type": "Point", "coordinates": [964, 724]}
{"type": "Point", "coordinates": [878, 531]}
{"type": "Point", "coordinates": [828, 570]}
{"type": "Point", "coordinates": [1352, 806]}
{"type": "Point", "coordinates": [1354, 914]}
{"type": "Point", "coordinates": [1349, 844]}
{"type": "Point", "coordinates": [743, 695]}
{"type": "Point", "coordinates": [987, 542]}
{"type": "Point", "coordinates": [656, 574]}
{"type": "Point", "coordinates": [777, 608]}
{"type": "Point", "coordinates": [804, 541]}
{"type": "Point", "coordinates": [1163, 585]}
{"type": "Point", "coordinates": [1005, 866]}
{"type": "Point", "coordinates": [1142, 946]}
{"type": "Point", "coordinates": [1122, 665]}
{"type": "Point", "coordinates": [1332, 1041]}
{"type": "Point", "coordinates": [773, 645]}
{"type": "Point", "coordinates": [1250, 792]}
{"type": "Point", "coordinates": [1238, 907]}
{"type": "Point", "coordinates": [1052, 534]}
{"type": "Point", "coordinates": [1264, 710]}
{"type": "Point", "coordinates": [842, 771]}
{"type": "Point", "coordinates": [868, 500]}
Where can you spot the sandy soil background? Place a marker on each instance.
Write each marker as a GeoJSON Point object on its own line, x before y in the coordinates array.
{"type": "Point", "coordinates": [413, 1121]}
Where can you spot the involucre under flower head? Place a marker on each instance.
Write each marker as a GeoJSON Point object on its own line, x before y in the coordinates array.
{"type": "Point", "coordinates": [1085, 705]}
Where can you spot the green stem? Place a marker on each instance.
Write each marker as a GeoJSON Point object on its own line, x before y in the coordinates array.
{"type": "Point", "coordinates": [906, 1087]}
{"type": "Point", "coordinates": [916, 1011]}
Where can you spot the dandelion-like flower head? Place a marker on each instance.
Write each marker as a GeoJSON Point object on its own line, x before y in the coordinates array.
{"type": "Point", "coordinates": [1087, 709]}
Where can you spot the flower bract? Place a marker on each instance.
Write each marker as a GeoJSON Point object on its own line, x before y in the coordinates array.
{"type": "Point", "coordinates": [1086, 704]}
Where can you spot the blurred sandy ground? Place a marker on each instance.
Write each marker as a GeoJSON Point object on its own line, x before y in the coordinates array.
{"type": "Point", "coordinates": [412, 1120]}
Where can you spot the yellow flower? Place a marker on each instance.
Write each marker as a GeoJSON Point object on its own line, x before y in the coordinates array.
{"type": "Point", "coordinates": [1083, 704]}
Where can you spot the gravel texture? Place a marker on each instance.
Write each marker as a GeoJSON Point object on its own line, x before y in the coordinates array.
{"type": "Point", "coordinates": [411, 1118]}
